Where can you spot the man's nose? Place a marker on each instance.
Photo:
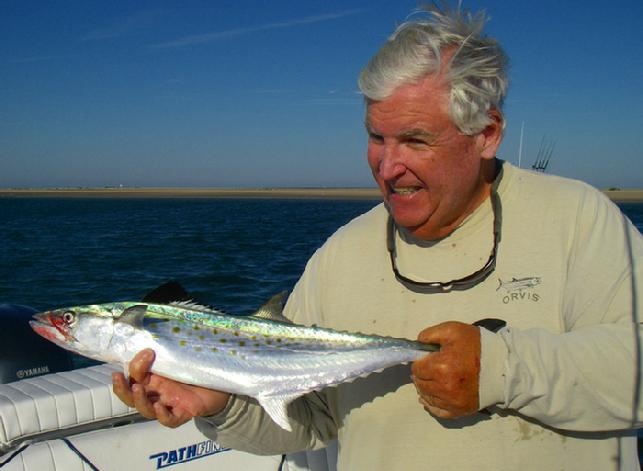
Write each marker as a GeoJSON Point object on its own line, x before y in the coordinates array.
{"type": "Point", "coordinates": [391, 164]}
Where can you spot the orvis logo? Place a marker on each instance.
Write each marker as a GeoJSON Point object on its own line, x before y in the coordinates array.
{"type": "Point", "coordinates": [187, 453]}
{"type": "Point", "coordinates": [519, 289]}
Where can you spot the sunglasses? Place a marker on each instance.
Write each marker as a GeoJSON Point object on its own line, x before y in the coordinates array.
{"type": "Point", "coordinates": [459, 284]}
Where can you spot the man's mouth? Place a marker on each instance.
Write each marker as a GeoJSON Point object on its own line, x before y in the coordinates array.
{"type": "Point", "coordinates": [404, 190]}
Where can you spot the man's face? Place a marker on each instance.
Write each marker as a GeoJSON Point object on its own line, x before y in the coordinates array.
{"type": "Point", "coordinates": [430, 174]}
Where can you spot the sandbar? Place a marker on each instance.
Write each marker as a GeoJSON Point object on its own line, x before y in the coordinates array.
{"type": "Point", "coordinates": [621, 196]}
{"type": "Point", "coordinates": [276, 193]}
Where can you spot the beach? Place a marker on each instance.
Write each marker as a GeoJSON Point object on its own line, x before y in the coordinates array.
{"type": "Point", "coordinates": [623, 196]}
{"type": "Point", "coordinates": [288, 193]}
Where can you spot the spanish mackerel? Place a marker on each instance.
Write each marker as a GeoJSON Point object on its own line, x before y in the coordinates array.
{"type": "Point", "coordinates": [264, 355]}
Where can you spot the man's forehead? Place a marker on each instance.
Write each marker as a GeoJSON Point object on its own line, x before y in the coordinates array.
{"type": "Point", "coordinates": [413, 120]}
{"type": "Point", "coordinates": [424, 98]}
{"type": "Point", "coordinates": [411, 130]}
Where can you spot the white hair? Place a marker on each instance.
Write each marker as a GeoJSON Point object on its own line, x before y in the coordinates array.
{"type": "Point", "coordinates": [476, 70]}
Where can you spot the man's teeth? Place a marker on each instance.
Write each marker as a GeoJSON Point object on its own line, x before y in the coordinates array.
{"type": "Point", "coordinates": [405, 190]}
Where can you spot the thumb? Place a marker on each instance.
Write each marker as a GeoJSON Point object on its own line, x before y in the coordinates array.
{"type": "Point", "coordinates": [439, 333]}
{"type": "Point", "coordinates": [140, 366]}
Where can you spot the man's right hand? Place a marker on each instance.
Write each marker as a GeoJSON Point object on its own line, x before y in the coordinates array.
{"type": "Point", "coordinates": [168, 401]}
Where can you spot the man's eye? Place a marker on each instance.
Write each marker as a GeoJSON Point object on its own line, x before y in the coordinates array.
{"type": "Point", "coordinates": [375, 138]}
{"type": "Point", "coordinates": [417, 142]}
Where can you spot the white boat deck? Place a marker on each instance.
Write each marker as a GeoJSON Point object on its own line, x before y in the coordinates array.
{"type": "Point", "coordinates": [72, 421]}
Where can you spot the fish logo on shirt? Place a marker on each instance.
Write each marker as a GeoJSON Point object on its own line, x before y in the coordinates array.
{"type": "Point", "coordinates": [519, 289]}
{"type": "Point", "coordinates": [519, 284]}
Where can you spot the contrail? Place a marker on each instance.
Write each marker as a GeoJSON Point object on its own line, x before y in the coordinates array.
{"type": "Point", "coordinates": [214, 36]}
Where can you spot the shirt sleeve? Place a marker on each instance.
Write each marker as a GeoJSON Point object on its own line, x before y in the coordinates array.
{"type": "Point", "coordinates": [244, 425]}
{"type": "Point", "coordinates": [587, 378]}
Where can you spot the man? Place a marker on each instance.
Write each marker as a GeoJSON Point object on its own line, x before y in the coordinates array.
{"type": "Point", "coordinates": [461, 236]}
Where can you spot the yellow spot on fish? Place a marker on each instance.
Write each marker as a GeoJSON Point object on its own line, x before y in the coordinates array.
{"type": "Point", "coordinates": [176, 330]}
{"type": "Point", "coordinates": [201, 337]}
{"type": "Point", "coordinates": [233, 352]}
{"type": "Point", "coordinates": [198, 349]}
{"type": "Point", "coordinates": [215, 332]}
{"type": "Point", "coordinates": [236, 334]}
{"type": "Point", "coordinates": [242, 343]}
{"type": "Point", "coordinates": [279, 340]}
{"type": "Point", "coordinates": [222, 340]}
{"type": "Point", "coordinates": [182, 343]}
{"type": "Point", "coordinates": [254, 337]}
{"type": "Point", "coordinates": [196, 327]}
{"type": "Point", "coordinates": [155, 337]}
{"type": "Point", "coordinates": [214, 349]}
{"type": "Point", "coordinates": [257, 345]}
{"type": "Point", "coordinates": [268, 342]}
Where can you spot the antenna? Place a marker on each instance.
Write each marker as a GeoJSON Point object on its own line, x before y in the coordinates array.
{"type": "Point", "coordinates": [522, 131]}
{"type": "Point", "coordinates": [543, 158]}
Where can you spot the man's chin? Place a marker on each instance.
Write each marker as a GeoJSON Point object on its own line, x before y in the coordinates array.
{"type": "Point", "coordinates": [409, 222]}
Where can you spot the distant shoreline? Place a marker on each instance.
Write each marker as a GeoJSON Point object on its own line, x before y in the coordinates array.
{"type": "Point", "coordinates": [287, 193]}
{"type": "Point", "coordinates": [623, 196]}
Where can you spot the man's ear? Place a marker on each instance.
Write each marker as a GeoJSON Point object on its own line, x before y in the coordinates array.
{"type": "Point", "coordinates": [489, 139]}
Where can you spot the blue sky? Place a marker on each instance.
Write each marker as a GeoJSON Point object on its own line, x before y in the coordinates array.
{"type": "Point", "coordinates": [263, 93]}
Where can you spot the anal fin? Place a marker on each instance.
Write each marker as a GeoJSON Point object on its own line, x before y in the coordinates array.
{"type": "Point", "coordinates": [276, 407]}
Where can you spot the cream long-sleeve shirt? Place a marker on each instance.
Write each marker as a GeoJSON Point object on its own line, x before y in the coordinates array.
{"type": "Point", "coordinates": [560, 380]}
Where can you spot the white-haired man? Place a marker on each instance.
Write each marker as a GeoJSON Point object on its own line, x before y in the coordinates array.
{"type": "Point", "coordinates": [461, 236]}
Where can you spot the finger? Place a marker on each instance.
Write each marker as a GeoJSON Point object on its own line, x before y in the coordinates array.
{"type": "Point", "coordinates": [426, 387]}
{"type": "Point", "coordinates": [429, 368]}
{"type": "Point", "coordinates": [167, 417]}
{"type": "Point", "coordinates": [439, 333]}
{"type": "Point", "coordinates": [427, 391]}
{"type": "Point", "coordinates": [121, 389]}
{"type": "Point", "coordinates": [141, 365]}
{"type": "Point", "coordinates": [142, 403]}
{"type": "Point", "coordinates": [436, 410]}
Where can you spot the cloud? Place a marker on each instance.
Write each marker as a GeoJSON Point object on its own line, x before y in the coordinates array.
{"type": "Point", "coordinates": [217, 35]}
{"type": "Point", "coordinates": [26, 60]}
{"type": "Point", "coordinates": [123, 27]}
{"type": "Point", "coordinates": [334, 101]}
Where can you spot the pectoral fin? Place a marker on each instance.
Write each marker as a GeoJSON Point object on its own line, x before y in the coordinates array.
{"type": "Point", "coordinates": [276, 408]}
{"type": "Point", "coordinates": [133, 315]}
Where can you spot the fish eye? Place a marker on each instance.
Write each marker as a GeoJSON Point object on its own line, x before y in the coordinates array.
{"type": "Point", "coordinates": [69, 317]}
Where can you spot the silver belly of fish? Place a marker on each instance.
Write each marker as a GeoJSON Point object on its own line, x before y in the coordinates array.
{"type": "Point", "coordinates": [273, 369]}
{"type": "Point", "coordinates": [264, 356]}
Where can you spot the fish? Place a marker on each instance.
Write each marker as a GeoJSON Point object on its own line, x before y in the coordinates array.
{"type": "Point", "coordinates": [264, 356]}
{"type": "Point", "coordinates": [519, 283]}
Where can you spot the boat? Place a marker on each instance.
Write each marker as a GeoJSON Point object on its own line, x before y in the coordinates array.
{"type": "Point", "coordinates": [58, 412]}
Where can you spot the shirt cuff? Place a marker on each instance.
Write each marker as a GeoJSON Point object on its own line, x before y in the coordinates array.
{"type": "Point", "coordinates": [212, 422]}
{"type": "Point", "coordinates": [493, 361]}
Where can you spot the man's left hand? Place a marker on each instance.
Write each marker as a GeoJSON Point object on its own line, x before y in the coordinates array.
{"type": "Point", "coordinates": [447, 381]}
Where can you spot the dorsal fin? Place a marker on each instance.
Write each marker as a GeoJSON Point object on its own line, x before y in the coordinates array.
{"type": "Point", "coordinates": [133, 315]}
{"type": "Point", "coordinates": [272, 309]}
{"type": "Point", "coordinates": [195, 306]}
{"type": "Point", "coordinates": [166, 293]}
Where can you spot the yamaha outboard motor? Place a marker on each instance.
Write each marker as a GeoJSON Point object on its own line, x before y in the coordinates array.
{"type": "Point", "coordinates": [23, 353]}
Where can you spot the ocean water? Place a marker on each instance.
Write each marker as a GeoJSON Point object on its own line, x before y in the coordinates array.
{"type": "Point", "coordinates": [230, 253]}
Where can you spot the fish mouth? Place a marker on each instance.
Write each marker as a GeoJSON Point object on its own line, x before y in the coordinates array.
{"type": "Point", "coordinates": [43, 324]}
